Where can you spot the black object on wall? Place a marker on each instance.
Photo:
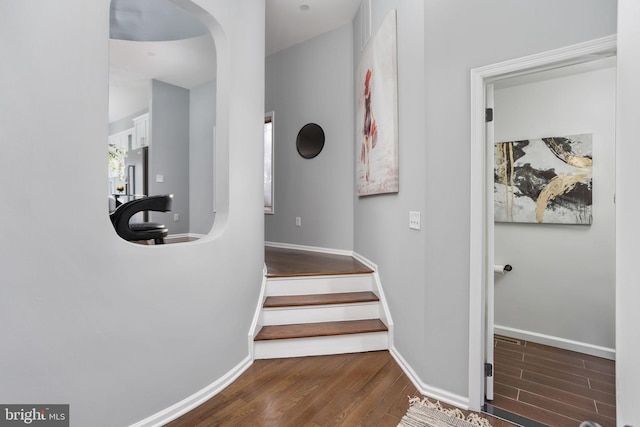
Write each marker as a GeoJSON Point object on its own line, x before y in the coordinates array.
{"type": "Point", "coordinates": [310, 140]}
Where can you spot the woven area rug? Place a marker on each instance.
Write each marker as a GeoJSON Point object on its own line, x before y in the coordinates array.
{"type": "Point", "coordinates": [424, 413]}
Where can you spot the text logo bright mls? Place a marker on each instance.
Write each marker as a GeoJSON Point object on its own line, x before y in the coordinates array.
{"type": "Point", "coordinates": [34, 415]}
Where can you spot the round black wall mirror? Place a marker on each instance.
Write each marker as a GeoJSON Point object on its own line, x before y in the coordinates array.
{"type": "Point", "coordinates": [310, 140]}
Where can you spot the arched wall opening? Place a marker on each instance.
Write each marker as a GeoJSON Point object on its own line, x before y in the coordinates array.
{"type": "Point", "coordinates": [168, 115]}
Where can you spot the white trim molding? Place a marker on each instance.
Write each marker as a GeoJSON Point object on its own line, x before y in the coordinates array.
{"type": "Point", "coordinates": [558, 342]}
{"type": "Point", "coordinates": [426, 389]}
{"type": "Point", "coordinates": [480, 225]}
{"type": "Point", "coordinates": [257, 321]}
{"type": "Point", "coordinates": [174, 411]}
{"type": "Point", "coordinates": [309, 248]}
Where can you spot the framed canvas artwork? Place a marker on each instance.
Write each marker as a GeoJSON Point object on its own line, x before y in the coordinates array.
{"type": "Point", "coordinates": [377, 113]}
{"type": "Point", "coordinates": [544, 180]}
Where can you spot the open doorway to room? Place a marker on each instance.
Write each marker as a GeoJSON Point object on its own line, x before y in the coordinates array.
{"type": "Point", "coordinates": [560, 296]}
{"type": "Point", "coordinates": [554, 313]}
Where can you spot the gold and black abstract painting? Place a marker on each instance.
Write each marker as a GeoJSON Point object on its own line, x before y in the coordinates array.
{"type": "Point", "coordinates": [544, 180]}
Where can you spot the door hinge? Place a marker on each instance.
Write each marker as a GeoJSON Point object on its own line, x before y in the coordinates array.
{"type": "Point", "coordinates": [488, 370]}
{"type": "Point", "coordinates": [488, 115]}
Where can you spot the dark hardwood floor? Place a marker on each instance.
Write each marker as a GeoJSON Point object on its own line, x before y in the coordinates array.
{"type": "Point", "coordinates": [553, 386]}
{"type": "Point", "coordinates": [360, 389]}
{"type": "Point", "coordinates": [284, 262]}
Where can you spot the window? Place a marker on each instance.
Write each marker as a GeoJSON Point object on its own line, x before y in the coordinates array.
{"type": "Point", "coordinates": [268, 163]}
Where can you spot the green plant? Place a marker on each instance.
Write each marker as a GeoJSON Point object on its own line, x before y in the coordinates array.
{"type": "Point", "coordinates": [116, 160]}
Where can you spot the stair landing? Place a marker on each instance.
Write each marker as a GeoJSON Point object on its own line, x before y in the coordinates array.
{"type": "Point", "coordinates": [285, 262]}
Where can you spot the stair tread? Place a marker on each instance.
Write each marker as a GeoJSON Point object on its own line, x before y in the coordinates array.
{"type": "Point", "coordinates": [320, 299]}
{"type": "Point", "coordinates": [323, 329]}
{"type": "Point", "coordinates": [288, 262]}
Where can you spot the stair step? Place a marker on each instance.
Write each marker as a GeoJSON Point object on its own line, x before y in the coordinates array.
{"type": "Point", "coordinates": [324, 329]}
{"type": "Point", "coordinates": [320, 299]}
{"type": "Point", "coordinates": [311, 285]}
{"type": "Point", "coordinates": [286, 262]}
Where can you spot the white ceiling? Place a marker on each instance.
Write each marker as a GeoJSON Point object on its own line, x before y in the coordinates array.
{"type": "Point", "coordinates": [185, 63]}
{"type": "Point", "coordinates": [188, 63]}
{"type": "Point", "coordinates": [287, 24]}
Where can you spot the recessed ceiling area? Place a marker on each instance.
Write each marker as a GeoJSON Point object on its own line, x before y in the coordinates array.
{"type": "Point", "coordinates": [152, 20]}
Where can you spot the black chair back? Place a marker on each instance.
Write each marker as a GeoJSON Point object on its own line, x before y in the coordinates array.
{"type": "Point", "coordinates": [120, 218]}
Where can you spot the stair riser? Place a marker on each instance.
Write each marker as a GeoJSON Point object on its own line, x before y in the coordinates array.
{"type": "Point", "coordinates": [339, 344]}
{"type": "Point", "coordinates": [323, 313]}
{"type": "Point", "coordinates": [318, 285]}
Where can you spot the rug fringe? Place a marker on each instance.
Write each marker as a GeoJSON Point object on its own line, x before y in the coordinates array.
{"type": "Point", "coordinates": [472, 418]}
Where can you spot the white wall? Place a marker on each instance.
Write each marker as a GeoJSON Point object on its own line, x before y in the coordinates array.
{"type": "Point", "coordinates": [120, 333]}
{"type": "Point", "coordinates": [202, 119]}
{"type": "Point", "coordinates": [627, 206]}
{"type": "Point", "coordinates": [117, 330]}
{"type": "Point", "coordinates": [125, 123]}
{"type": "Point", "coordinates": [426, 273]}
{"type": "Point", "coordinates": [563, 281]}
{"type": "Point", "coordinates": [169, 152]}
{"type": "Point", "coordinates": [381, 222]}
{"type": "Point", "coordinates": [313, 83]}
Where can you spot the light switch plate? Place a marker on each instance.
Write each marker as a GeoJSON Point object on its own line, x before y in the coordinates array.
{"type": "Point", "coordinates": [414, 220]}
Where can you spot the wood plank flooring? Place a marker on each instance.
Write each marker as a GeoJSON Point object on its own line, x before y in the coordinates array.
{"type": "Point", "coordinates": [319, 299]}
{"type": "Point", "coordinates": [283, 262]}
{"type": "Point", "coordinates": [553, 386]}
{"type": "Point", "coordinates": [323, 329]}
{"type": "Point", "coordinates": [360, 389]}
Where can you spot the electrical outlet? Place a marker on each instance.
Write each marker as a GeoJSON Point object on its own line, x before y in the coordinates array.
{"type": "Point", "coordinates": [176, 217]}
{"type": "Point", "coordinates": [298, 221]}
{"type": "Point", "coordinates": [159, 178]}
{"type": "Point", "coordinates": [414, 220]}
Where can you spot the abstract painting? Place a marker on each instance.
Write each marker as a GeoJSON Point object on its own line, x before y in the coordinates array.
{"type": "Point", "coordinates": [545, 180]}
{"type": "Point", "coordinates": [377, 113]}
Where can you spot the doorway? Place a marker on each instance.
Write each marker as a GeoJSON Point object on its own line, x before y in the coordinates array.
{"type": "Point", "coordinates": [554, 313]}
{"type": "Point", "coordinates": [482, 225]}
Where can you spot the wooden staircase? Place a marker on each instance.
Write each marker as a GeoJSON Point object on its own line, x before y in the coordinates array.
{"type": "Point", "coordinates": [327, 304]}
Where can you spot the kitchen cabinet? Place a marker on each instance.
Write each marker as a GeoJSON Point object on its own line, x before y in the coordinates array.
{"type": "Point", "coordinates": [140, 132]}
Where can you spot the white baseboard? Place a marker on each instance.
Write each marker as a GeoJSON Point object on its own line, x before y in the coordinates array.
{"type": "Point", "coordinates": [309, 248]}
{"type": "Point", "coordinates": [365, 261]}
{"type": "Point", "coordinates": [427, 390]}
{"type": "Point", "coordinates": [566, 344]}
{"type": "Point", "coordinates": [174, 411]}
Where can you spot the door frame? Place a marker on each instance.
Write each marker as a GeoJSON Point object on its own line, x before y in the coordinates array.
{"type": "Point", "coordinates": [481, 226]}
